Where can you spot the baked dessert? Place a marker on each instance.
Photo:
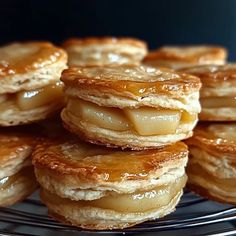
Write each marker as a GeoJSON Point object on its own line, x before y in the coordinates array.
{"type": "Point", "coordinates": [135, 107]}
{"type": "Point", "coordinates": [217, 96]}
{"type": "Point", "coordinates": [104, 51]}
{"type": "Point", "coordinates": [82, 184]}
{"type": "Point", "coordinates": [30, 89]}
{"type": "Point", "coordinates": [211, 167]}
{"type": "Point", "coordinates": [177, 57]}
{"type": "Point", "coordinates": [17, 179]}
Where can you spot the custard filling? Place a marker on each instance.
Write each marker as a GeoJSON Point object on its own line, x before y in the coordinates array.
{"type": "Point", "coordinates": [25, 174]}
{"type": "Point", "coordinates": [137, 202]}
{"type": "Point", "coordinates": [31, 99]}
{"type": "Point", "coordinates": [143, 120]}
{"type": "Point", "coordinates": [218, 102]}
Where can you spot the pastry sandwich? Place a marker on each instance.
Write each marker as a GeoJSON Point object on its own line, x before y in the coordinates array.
{"type": "Point", "coordinates": [177, 57]}
{"type": "Point", "coordinates": [99, 188]}
{"type": "Point", "coordinates": [17, 180]}
{"type": "Point", "coordinates": [217, 96]}
{"type": "Point", "coordinates": [135, 107]}
{"type": "Point", "coordinates": [105, 51]}
{"type": "Point", "coordinates": [211, 167]}
{"type": "Point", "coordinates": [30, 89]}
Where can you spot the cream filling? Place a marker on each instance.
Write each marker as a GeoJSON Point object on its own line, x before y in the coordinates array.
{"type": "Point", "coordinates": [143, 120]}
{"type": "Point", "coordinates": [31, 99]}
{"type": "Point", "coordinates": [218, 102]}
{"type": "Point", "coordinates": [138, 202]}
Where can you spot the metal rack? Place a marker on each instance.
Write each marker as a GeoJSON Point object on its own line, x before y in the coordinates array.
{"type": "Point", "coordinates": [194, 216]}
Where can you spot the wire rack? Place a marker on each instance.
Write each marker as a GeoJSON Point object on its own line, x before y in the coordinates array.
{"type": "Point", "coordinates": [194, 216]}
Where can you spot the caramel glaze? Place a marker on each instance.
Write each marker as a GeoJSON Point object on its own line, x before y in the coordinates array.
{"type": "Point", "coordinates": [213, 75]}
{"type": "Point", "coordinates": [176, 85]}
{"type": "Point", "coordinates": [38, 55]}
{"type": "Point", "coordinates": [15, 141]}
{"type": "Point", "coordinates": [104, 40]}
{"type": "Point", "coordinates": [106, 165]}
{"type": "Point", "coordinates": [211, 143]}
{"type": "Point", "coordinates": [27, 173]}
{"type": "Point", "coordinates": [210, 53]}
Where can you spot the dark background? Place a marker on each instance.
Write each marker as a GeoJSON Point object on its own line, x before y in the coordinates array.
{"type": "Point", "coordinates": [158, 22]}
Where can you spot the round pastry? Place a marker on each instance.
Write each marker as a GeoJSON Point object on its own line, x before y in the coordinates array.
{"type": "Point", "coordinates": [81, 184]}
{"type": "Point", "coordinates": [17, 179]}
{"type": "Point", "coordinates": [30, 89]}
{"type": "Point", "coordinates": [177, 57]}
{"type": "Point", "coordinates": [105, 51]}
{"type": "Point", "coordinates": [217, 96]}
{"type": "Point", "coordinates": [212, 164]}
{"type": "Point", "coordinates": [135, 107]}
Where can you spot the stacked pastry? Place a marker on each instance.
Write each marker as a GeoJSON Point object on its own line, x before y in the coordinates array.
{"type": "Point", "coordinates": [30, 90]}
{"type": "Point", "coordinates": [137, 116]}
{"type": "Point", "coordinates": [211, 168]}
{"type": "Point", "coordinates": [105, 51]}
{"type": "Point", "coordinates": [177, 57]}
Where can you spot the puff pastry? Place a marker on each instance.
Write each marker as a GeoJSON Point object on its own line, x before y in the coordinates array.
{"type": "Point", "coordinates": [30, 89]}
{"type": "Point", "coordinates": [104, 51]}
{"type": "Point", "coordinates": [217, 96]}
{"type": "Point", "coordinates": [177, 57]}
{"type": "Point", "coordinates": [138, 107]}
{"type": "Point", "coordinates": [17, 179]}
{"type": "Point", "coordinates": [82, 183]}
{"type": "Point", "coordinates": [211, 167]}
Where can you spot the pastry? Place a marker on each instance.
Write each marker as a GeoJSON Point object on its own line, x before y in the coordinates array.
{"type": "Point", "coordinates": [212, 162]}
{"type": "Point", "coordinates": [82, 184]}
{"type": "Point", "coordinates": [105, 51]}
{"type": "Point", "coordinates": [17, 179]}
{"type": "Point", "coordinates": [30, 89]}
{"type": "Point", "coordinates": [135, 107]}
{"type": "Point", "coordinates": [217, 96]}
{"type": "Point", "coordinates": [177, 57]}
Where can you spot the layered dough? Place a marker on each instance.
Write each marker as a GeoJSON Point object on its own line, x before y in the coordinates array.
{"type": "Point", "coordinates": [105, 51]}
{"type": "Point", "coordinates": [218, 93]}
{"type": "Point", "coordinates": [186, 56]}
{"type": "Point", "coordinates": [81, 183]}
{"type": "Point", "coordinates": [29, 82]}
{"type": "Point", "coordinates": [211, 168]}
{"type": "Point", "coordinates": [141, 109]}
{"type": "Point", "coordinates": [17, 179]}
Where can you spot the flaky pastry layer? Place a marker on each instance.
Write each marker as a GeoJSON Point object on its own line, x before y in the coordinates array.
{"type": "Point", "coordinates": [179, 57]}
{"type": "Point", "coordinates": [83, 171]}
{"type": "Point", "coordinates": [27, 66]}
{"type": "Point", "coordinates": [105, 51]}
{"type": "Point", "coordinates": [212, 161]}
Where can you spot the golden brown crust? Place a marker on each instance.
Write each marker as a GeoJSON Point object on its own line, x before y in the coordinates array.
{"type": "Point", "coordinates": [130, 81]}
{"type": "Point", "coordinates": [226, 114]}
{"type": "Point", "coordinates": [20, 58]}
{"type": "Point", "coordinates": [104, 40]}
{"type": "Point", "coordinates": [214, 76]}
{"type": "Point", "coordinates": [14, 142]}
{"type": "Point", "coordinates": [61, 158]}
{"type": "Point", "coordinates": [214, 138]}
{"type": "Point", "coordinates": [206, 194]}
{"type": "Point", "coordinates": [90, 226]}
{"type": "Point", "coordinates": [192, 54]}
